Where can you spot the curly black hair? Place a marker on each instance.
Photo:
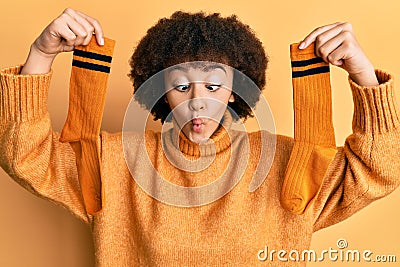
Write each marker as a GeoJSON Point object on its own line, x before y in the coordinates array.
{"type": "Point", "coordinates": [186, 37]}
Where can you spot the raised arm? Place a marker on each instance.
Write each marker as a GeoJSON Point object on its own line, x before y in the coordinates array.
{"type": "Point", "coordinates": [368, 166]}
{"type": "Point", "coordinates": [30, 151]}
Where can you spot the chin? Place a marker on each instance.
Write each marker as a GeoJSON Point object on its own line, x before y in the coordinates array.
{"type": "Point", "coordinates": [198, 139]}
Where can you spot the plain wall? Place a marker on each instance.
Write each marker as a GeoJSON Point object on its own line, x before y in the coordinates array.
{"type": "Point", "coordinates": [34, 232]}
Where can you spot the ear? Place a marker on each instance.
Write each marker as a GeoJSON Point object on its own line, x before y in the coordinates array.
{"type": "Point", "coordinates": [231, 98]}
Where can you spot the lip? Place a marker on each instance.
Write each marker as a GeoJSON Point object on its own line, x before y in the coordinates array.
{"type": "Point", "coordinates": [197, 125]}
{"type": "Point", "coordinates": [197, 121]}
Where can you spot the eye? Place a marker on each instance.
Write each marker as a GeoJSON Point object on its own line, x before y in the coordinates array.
{"type": "Point", "coordinates": [182, 87]}
{"type": "Point", "coordinates": [213, 87]}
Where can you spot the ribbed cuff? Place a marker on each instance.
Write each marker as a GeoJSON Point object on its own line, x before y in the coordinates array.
{"type": "Point", "coordinates": [375, 108]}
{"type": "Point", "coordinates": [23, 97]}
{"type": "Point", "coordinates": [295, 52]}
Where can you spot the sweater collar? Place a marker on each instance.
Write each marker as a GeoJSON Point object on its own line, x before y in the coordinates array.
{"type": "Point", "coordinates": [219, 141]}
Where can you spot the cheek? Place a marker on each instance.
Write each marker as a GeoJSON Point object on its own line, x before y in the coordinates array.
{"type": "Point", "coordinates": [224, 98]}
{"type": "Point", "coordinates": [216, 108]}
{"type": "Point", "coordinates": [176, 104]}
{"type": "Point", "coordinates": [172, 100]}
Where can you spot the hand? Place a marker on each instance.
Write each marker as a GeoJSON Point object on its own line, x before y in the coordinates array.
{"type": "Point", "coordinates": [70, 29]}
{"type": "Point", "coordinates": [336, 44]}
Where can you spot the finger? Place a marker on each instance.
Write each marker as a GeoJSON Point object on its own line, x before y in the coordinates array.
{"type": "Point", "coordinates": [98, 30]}
{"type": "Point", "coordinates": [87, 26]}
{"type": "Point", "coordinates": [338, 49]}
{"type": "Point", "coordinates": [325, 37]}
{"type": "Point", "coordinates": [68, 48]}
{"type": "Point", "coordinates": [326, 47]}
{"type": "Point", "coordinates": [83, 23]}
{"type": "Point", "coordinates": [337, 57]}
{"type": "Point", "coordinates": [310, 38]}
{"type": "Point", "coordinates": [66, 20]}
{"type": "Point", "coordinates": [78, 30]}
{"type": "Point", "coordinates": [68, 36]}
{"type": "Point", "coordinates": [59, 29]}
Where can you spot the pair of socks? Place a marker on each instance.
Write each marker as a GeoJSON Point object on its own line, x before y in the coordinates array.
{"type": "Point", "coordinates": [314, 141]}
{"type": "Point", "coordinates": [88, 84]}
{"type": "Point", "coordinates": [314, 138]}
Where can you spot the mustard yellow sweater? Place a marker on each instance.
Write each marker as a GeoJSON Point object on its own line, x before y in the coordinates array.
{"type": "Point", "coordinates": [133, 229]}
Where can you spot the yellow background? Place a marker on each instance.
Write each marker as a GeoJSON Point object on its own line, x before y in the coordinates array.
{"type": "Point", "coordinates": [34, 232]}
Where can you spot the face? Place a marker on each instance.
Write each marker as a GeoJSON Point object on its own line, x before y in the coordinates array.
{"type": "Point", "coordinates": [198, 94]}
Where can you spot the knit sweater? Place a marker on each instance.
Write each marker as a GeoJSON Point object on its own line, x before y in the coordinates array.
{"type": "Point", "coordinates": [134, 229]}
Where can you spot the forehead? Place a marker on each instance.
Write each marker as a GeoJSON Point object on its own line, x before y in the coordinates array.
{"type": "Point", "coordinates": [198, 66]}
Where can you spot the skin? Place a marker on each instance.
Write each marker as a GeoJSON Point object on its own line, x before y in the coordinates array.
{"type": "Point", "coordinates": [334, 43]}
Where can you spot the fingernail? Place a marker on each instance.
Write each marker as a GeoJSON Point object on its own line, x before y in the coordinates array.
{"type": "Point", "coordinates": [102, 41]}
{"type": "Point", "coordinates": [302, 45]}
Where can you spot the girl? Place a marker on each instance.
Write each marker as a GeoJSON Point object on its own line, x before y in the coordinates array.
{"type": "Point", "coordinates": [131, 227]}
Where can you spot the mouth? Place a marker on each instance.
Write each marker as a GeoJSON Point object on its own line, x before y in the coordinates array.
{"type": "Point", "coordinates": [197, 125]}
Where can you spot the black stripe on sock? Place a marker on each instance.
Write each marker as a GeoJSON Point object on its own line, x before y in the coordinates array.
{"type": "Point", "coordinates": [81, 53]}
{"type": "Point", "coordinates": [302, 73]}
{"type": "Point", "coordinates": [90, 66]}
{"type": "Point", "coordinates": [303, 63]}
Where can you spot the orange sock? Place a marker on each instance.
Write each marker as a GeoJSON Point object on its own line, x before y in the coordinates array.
{"type": "Point", "coordinates": [314, 137]}
{"type": "Point", "coordinates": [88, 84]}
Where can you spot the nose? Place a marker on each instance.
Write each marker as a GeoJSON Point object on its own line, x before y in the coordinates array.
{"type": "Point", "coordinates": [197, 102]}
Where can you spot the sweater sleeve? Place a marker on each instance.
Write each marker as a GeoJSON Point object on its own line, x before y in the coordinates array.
{"type": "Point", "coordinates": [368, 166]}
{"type": "Point", "coordinates": [31, 152]}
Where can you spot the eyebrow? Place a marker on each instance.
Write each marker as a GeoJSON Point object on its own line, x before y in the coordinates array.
{"type": "Point", "coordinates": [211, 67]}
{"type": "Point", "coordinates": [206, 68]}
